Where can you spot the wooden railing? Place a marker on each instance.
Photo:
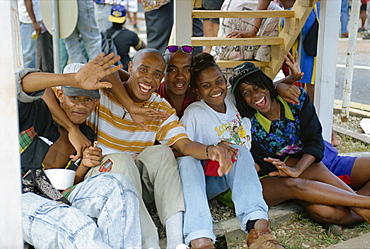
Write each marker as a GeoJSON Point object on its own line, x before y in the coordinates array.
{"type": "Point", "coordinates": [280, 45]}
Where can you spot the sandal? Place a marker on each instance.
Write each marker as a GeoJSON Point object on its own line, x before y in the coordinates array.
{"type": "Point", "coordinates": [261, 237]}
{"type": "Point", "coordinates": [266, 241]}
{"type": "Point", "coordinates": [334, 230]}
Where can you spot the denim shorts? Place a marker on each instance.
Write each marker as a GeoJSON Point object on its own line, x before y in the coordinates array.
{"type": "Point", "coordinates": [212, 5]}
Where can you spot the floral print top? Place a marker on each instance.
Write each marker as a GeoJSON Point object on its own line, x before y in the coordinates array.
{"type": "Point", "coordinates": [297, 131]}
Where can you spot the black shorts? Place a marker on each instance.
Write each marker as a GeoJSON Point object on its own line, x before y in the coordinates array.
{"type": "Point", "coordinates": [363, 6]}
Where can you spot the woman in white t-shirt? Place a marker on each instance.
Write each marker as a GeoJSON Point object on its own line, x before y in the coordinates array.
{"type": "Point", "coordinates": [209, 121]}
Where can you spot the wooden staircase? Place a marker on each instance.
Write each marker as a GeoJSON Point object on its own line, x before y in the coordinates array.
{"type": "Point", "coordinates": [280, 45]}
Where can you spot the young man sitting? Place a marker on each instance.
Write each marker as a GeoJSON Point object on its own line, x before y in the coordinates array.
{"type": "Point", "coordinates": [103, 210]}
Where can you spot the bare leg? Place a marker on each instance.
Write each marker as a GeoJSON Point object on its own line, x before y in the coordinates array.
{"type": "Point", "coordinates": [360, 175]}
{"type": "Point", "coordinates": [319, 172]}
{"type": "Point", "coordinates": [210, 29]}
{"type": "Point", "coordinates": [334, 139]}
{"type": "Point", "coordinates": [332, 215]}
{"type": "Point", "coordinates": [279, 189]}
{"type": "Point", "coordinates": [363, 18]}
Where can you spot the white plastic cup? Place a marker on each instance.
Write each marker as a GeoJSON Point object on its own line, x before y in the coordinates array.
{"type": "Point", "coordinates": [61, 178]}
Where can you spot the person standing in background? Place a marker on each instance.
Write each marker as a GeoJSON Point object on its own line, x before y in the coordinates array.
{"type": "Point", "coordinates": [102, 10]}
{"type": "Point", "coordinates": [125, 39]}
{"type": "Point", "coordinates": [88, 30]}
{"type": "Point", "coordinates": [30, 28]}
{"type": "Point", "coordinates": [159, 22]}
{"type": "Point", "coordinates": [344, 19]}
{"type": "Point", "coordinates": [211, 25]}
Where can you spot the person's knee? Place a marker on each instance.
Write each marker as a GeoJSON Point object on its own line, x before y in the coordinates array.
{"type": "Point", "coordinates": [186, 163]}
{"type": "Point", "coordinates": [329, 214]}
{"type": "Point", "coordinates": [158, 150]}
{"type": "Point", "coordinates": [295, 185]}
{"type": "Point", "coordinates": [115, 180]}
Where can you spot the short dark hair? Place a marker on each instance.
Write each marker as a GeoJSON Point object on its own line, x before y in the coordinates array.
{"type": "Point", "coordinates": [259, 79]}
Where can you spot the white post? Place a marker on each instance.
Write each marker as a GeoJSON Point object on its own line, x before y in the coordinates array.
{"type": "Point", "coordinates": [10, 186]}
{"type": "Point", "coordinates": [55, 31]}
{"type": "Point", "coordinates": [350, 58]}
{"type": "Point", "coordinates": [326, 64]}
{"type": "Point", "coordinates": [183, 22]}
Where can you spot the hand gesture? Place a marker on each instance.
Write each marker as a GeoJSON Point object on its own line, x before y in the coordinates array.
{"type": "Point", "coordinates": [293, 64]}
{"type": "Point", "coordinates": [90, 75]}
{"type": "Point", "coordinates": [283, 169]}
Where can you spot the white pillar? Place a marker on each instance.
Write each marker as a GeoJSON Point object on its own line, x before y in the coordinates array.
{"type": "Point", "coordinates": [10, 186]}
{"type": "Point", "coordinates": [350, 58]}
{"type": "Point", "coordinates": [326, 64]}
{"type": "Point", "coordinates": [183, 22]}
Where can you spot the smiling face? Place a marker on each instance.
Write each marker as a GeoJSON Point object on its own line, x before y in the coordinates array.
{"type": "Point", "coordinates": [77, 108]}
{"type": "Point", "coordinates": [146, 73]}
{"type": "Point", "coordinates": [256, 97]}
{"type": "Point", "coordinates": [211, 86]}
{"type": "Point", "coordinates": [177, 78]}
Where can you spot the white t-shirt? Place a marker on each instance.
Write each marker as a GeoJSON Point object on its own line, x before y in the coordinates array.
{"type": "Point", "coordinates": [23, 14]}
{"type": "Point", "coordinates": [203, 124]}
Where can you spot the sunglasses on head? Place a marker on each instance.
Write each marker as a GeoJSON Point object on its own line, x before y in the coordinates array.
{"type": "Point", "coordinates": [198, 65]}
{"type": "Point", "coordinates": [185, 49]}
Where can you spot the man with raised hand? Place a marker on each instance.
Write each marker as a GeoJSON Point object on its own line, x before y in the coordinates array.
{"type": "Point", "coordinates": [103, 210]}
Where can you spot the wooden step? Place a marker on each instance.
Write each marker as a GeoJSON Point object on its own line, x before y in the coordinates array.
{"type": "Point", "coordinates": [234, 63]}
{"type": "Point", "coordinates": [242, 14]}
{"type": "Point", "coordinates": [223, 41]}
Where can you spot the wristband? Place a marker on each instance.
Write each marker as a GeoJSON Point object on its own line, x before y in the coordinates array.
{"type": "Point", "coordinates": [208, 148]}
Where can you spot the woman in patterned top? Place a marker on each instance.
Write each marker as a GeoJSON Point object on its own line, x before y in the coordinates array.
{"type": "Point", "coordinates": [287, 147]}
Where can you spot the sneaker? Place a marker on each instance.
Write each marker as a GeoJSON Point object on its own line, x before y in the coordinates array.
{"type": "Point", "coordinates": [361, 30]}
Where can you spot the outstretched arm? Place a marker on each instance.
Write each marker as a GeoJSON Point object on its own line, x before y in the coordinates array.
{"type": "Point", "coordinates": [88, 77]}
{"type": "Point", "coordinates": [203, 152]}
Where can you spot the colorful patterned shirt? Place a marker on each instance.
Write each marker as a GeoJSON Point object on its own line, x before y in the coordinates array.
{"type": "Point", "coordinates": [297, 132]}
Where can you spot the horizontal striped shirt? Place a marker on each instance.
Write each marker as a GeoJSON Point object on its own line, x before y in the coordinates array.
{"type": "Point", "coordinates": [117, 132]}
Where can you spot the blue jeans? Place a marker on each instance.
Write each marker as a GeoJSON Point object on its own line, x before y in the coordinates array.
{"type": "Point", "coordinates": [102, 13]}
{"type": "Point", "coordinates": [28, 45]}
{"type": "Point", "coordinates": [344, 16]}
{"type": "Point", "coordinates": [198, 188]}
{"type": "Point", "coordinates": [89, 32]}
{"type": "Point", "coordinates": [104, 214]}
